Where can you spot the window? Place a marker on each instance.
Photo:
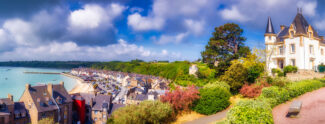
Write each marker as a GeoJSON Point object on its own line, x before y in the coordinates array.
{"type": "Point", "coordinates": [293, 62]}
{"type": "Point", "coordinates": [311, 49]}
{"type": "Point", "coordinates": [322, 51]}
{"type": "Point", "coordinates": [95, 119]}
{"type": "Point", "coordinates": [293, 48]}
{"type": "Point", "coordinates": [270, 38]}
{"type": "Point", "coordinates": [309, 34]}
{"type": "Point", "coordinates": [291, 34]}
{"type": "Point", "coordinates": [96, 112]}
{"type": "Point", "coordinates": [281, 50]}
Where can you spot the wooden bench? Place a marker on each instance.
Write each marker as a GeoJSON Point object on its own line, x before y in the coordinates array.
{"type": "Point", "coordinates": [294, 109]}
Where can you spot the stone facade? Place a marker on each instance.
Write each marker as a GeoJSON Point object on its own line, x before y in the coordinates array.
{"type": "Point", "coordinates": [48, 101]}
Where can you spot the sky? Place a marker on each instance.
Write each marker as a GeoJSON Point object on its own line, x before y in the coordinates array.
{"type": "Point", "coordinates": [123, 30]}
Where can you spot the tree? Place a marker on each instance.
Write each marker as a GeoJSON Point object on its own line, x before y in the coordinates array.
{"type": "Point", "coordinates": [225, 45]}
{"type": "Point", "coordinates": [181, 99]}
{"type": "Point", "coordinates": [236, 76]}
{"type": "Point", "coordinates": [147, 112]}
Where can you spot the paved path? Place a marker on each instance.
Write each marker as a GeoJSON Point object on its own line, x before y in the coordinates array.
{"type": "Point", "coordinates": [312, 111]}
{"type": "Point", "coordinates": [210, 118]}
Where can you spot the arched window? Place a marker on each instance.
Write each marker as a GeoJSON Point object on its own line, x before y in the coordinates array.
{"type": "Point", "coordinates": [291, 34]}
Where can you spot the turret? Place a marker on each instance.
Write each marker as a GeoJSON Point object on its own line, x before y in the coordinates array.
{"type": "Point", "coordinates": [269, 35]}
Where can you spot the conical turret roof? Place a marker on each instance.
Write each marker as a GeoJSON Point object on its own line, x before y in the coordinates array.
{"type": "Point", "coordinates": [269, 27]}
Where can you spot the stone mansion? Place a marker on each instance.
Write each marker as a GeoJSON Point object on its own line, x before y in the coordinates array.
{"type": "Point", "coordinates": [297, 44]}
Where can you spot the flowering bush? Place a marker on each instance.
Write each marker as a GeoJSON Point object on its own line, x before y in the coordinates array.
{"type": "Point", "coordinates": [253, 90]}
{"type": "Point", "coordinates": [181, 99]}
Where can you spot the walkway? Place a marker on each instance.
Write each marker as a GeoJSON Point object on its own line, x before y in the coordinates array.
{"type": "Point", "coordinates": [211, 118]}
{"type": "Point", "coordinates": [312, 111]}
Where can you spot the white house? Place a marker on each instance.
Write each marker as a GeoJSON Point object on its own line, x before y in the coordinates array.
{"type": "Point", "coordinates": [297, 44]}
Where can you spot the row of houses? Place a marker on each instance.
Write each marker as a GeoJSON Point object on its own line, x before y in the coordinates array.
{"type": "Point", "coordinates": [126, 79]}
{"type": "Point", "coordinates": [53, 101]}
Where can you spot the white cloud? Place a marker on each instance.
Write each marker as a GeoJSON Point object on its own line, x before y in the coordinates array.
{"type": "Point", "coordinates": [94, 16]}
{"type": "Point", "coordinates": [309, 8]}
{"type": "Point", "coordinates": [71, 51]}
{"type": "Point", "coordinates": [139, 23]}
{"type": "Point", "coordinates": [21, 32]}
{"type": "Point", "coordinates": [196, 27]}
{"type": "Point", "coordinates": [233, 14]}
{"type": "Point", "coordinates": [320, 24]}
{"type": "Point", "coordinates": [176, 39]}
{"type": "Point", "coordinates": [169, 10]}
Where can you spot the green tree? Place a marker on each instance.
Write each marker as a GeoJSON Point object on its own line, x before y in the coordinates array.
{"type": "Point", "coordinates": [226, 44]}
{"type": "Point", "coordinates": [236, 76]}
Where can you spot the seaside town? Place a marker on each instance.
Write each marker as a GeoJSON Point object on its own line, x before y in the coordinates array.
{"type": "Point", "coordinates": [93, 100]}
{"type": "Point", "coordinates": [162, 62]}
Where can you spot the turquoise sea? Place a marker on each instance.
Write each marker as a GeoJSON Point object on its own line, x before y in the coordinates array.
{"type": "Point", "coordinates": [13, 79]}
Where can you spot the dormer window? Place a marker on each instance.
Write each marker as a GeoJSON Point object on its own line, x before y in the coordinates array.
{"type": "Point", "coordinates": [59, 100]}
{"type": "Point", "coordinates": [2, 107]}
{"type": "Point", "coordinates": [270, 38]}
{"type": "Point", "coordinates": [322, 51]}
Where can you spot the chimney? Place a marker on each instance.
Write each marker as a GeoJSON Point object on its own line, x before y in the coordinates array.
{"type": "Point", "coordinates": [282, 27]}
{"type": "Point", "coordinates": [50, 89]}
{"type": "Point", "coordinates": [27, 86]}
{"type": "Point", "coordinates": [91, 102]}
{"type": "Point", "coordinates": [62, 83]}
{"type": "Point", "coordinates": [10, 97]}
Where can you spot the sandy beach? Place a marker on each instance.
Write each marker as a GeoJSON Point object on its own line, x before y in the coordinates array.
{"type": "Point", "coordinates": [81, 86]}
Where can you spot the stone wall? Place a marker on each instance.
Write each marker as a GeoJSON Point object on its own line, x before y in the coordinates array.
{"type": "Point", "coordinates": [304, 75]}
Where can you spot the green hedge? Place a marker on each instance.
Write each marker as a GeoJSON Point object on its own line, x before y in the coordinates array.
{"type": "Point", "coordinates": [212, 99]}
{"type": "Point", "coordinates": [276, 95]}
{"type": "Point", "coordinates": [250, 112]}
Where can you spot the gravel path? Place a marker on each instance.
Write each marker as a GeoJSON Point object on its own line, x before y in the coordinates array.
{"type": "Point", "coordinates": [312, 111]}
{"type": "Point", "coordinates": [211, 118]}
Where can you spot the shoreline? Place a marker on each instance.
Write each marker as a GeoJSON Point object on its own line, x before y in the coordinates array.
{"type": "Point", "coordinates": [81, 86]}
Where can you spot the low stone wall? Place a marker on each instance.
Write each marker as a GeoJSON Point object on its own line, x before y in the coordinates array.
{"type": "Point", "coordinates": [304, 75]}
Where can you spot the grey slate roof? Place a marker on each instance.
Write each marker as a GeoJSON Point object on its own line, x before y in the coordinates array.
{"type": "Point", "coordinates": [20, 107]}
{"type": "Point", "coordinates": [269, 27]}
{"type": "Point", "coordinates": [43, 100]}
{"type": "Point", "coordinates": [101, 102]}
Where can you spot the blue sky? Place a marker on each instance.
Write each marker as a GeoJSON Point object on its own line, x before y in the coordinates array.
{"type": "Point", "coordinates": [107, 30]}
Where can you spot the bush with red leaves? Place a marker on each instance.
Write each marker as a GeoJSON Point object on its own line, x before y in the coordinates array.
{"type": "Point", "coordinates": [253, 90]}
{"type": "Point", "coordinates": [181, 98]}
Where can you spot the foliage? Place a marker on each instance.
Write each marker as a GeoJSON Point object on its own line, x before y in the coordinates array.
{"type": "Point", "coordinates": [166, 70]}
{"type": "Point", "coordinates": [250, 112]}
{"type": "Point", "coordinates": [147, 112]}
{"type": "Point", "coordinates": [181, 99]}
{"type": "Point", "coordinates": [276, 95]}
{"type": "Point", "coordinates": [206, 72]}
{"type": "Point", "coordinates": [279, 81]}
{"type": "Point", "coordinates": [225, 45]}
{"type": "Point", "coordinates": [290, 69]}
{"type": "Point", "coordinates": [253, 90]}
{"type": "Point", "coordinates": [321, 68]}
{"type": "Point", "coordinates": [47, 120]}
{"type": "Point", "coordinates": [254, 72]}
{"type": "Point", "coordinates": [213, 99]}
{"type": "Point", "coordinates": [235, 76]}
{"type": "Point", "coordinates": [277, 72]}
{"type": "Point", "coordinates": [220, 84]}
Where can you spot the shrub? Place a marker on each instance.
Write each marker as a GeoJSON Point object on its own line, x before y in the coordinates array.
{"type": "Point", "coordinates": [321, 68]}
{"type": "Point", "coordinates": [277, 72]}
{"type": "Point", "coordinates": [217, 84]}
{"type": "Point", "coordinates": [290, 69]}
{"type": "Point", "coordinates": [212, 100]}
{"type": "Point", "coordinates": [47, 120]}
{"type": "Point", "coordinates": [235, 76]}
{"type": "Point", "coordinates": [250, 112]}
{"type": "Point", "coordinates": [254, 72]}
{"type": "Point", "coordinates": [253, 90]}
{"type": "Point", "coordinates": [298, 88]}
{"type": "Point", "coordinates": [152, 112]}
{"type": "Point", "coordinates": [181, 99]}
{"type": "Point", "coordinates": [279, 81]}
{"type": "Point", "coordinates": [275, 95]}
